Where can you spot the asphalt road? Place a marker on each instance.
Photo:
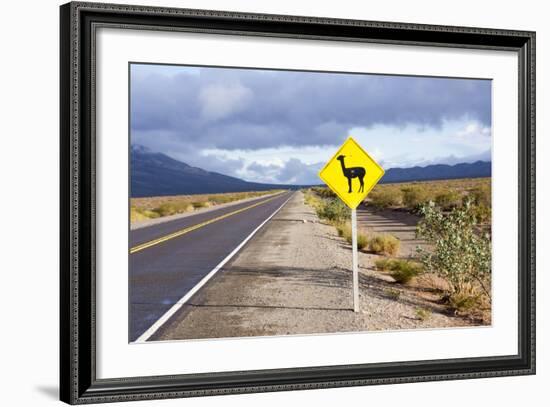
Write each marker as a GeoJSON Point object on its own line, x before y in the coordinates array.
{"type": "Point", "coordinates": [161, 274]}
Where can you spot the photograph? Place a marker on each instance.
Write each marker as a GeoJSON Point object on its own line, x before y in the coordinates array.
{"type": "Point", "coordinates": [271, 202]}
{"type": "Point", "coordinates": [254, 202]}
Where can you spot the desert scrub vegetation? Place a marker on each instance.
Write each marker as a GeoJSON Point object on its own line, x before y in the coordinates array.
{"type": "Point", "coordinates": [392, 293]}
{"type": "Point", "coordinates": [386, 198]}
{"type": "Point", "coordinates": [336, 213]}
{"type": "Point", "coordinates": [414, 196]}
{"type": "Point", "coordinates": [423, 314]}
{"type": "Point", "coordinates": [324, 192]}
{"type": "Point", "coordinates": [154, 207]}
{"type": "Point", "coordinates": [461, 252]}
{"type": "Point", "coordinates": [141, 214]}
{"type": "Point", "coordinates": [333, 210]}
{"type": "Point", "coordinates": [402, 271]}
{"type": "Point", "coordinates": [384, 244]}
{"type": "Point", "coordinates": [344, 230]}
{"type": "Point", "coordinates": [448, 200]}
{"type": "Point", "coordinates": [447, 194]}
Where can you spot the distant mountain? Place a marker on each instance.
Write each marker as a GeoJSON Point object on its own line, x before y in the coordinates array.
{"type": "Point", "coordinates": [156, 174]}
{"type": "Point", "coordinates": [439, 171]}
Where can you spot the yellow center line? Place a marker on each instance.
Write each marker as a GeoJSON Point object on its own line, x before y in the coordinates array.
{"type": "Point", "coordinates": [195, 227]}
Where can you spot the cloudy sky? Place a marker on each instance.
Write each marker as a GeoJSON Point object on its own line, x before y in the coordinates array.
{"type": "Point", "coordinates": [282, 126]}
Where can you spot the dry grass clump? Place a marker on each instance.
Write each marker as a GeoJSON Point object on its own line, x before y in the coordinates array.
{"type": "Point", "coordinates": [465, 302]}
{"type": "Point", "coordinates": [201, 204]}
{"type": "Point", "coordinates": [386, 198]}
{"type": "Point", "coordinates": [344, 230]}
{"type": "Point", "coordinates": [423, 314]}
{"type": "Point", "coordinates": [336, 213]}
{"type": "Point", "coordinates": [172, 208]}
{"type": "Point", "coordinates": [392, 293]}
{"type": "Point", "coordinates": [137, 214]}
{"type": "Point", "coordinates": [324, 192]}
{"type": "Point", "coordinates": [384, 244]}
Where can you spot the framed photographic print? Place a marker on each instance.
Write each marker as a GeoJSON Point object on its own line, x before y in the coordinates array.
{"type": "Point", "coordinates": [255, 203]}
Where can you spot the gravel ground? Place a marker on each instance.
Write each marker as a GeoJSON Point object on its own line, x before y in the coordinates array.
{"type": "Point", "coordinates": [294, 278]}
{"type": "Point", "coordinates": [399, 223]}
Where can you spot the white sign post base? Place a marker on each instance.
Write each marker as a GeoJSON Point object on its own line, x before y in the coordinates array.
{"type": "Point", "coordinates": [354, 260]}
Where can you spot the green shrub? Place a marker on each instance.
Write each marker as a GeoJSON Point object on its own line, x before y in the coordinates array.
{"type": "Point", "coordinates": [460, 254]}
{"type": "Point", "coordinates": [324, 192]}
{"type": "Point", "coordinates": [333, 210]}
{"type": "Point", "coordinates": [406, 272]}
{"type": "Point", "coordinates": [385, 198]}
{"type": "Point", "coordinates": [384, 264]}
{"type": "Point", "coordinates": [480, 195]}
{"type": "Point", "coordinates": [480, 200]}
{"type": "Point", "coordinates": [402, 271]}
{"type": "Point", "coordinates": [423, 314]}
{"type": "Point", "coordinates": [415, 196]}
{"type": "Point", "coordinates": [448, 200]}
{"type": "Point", "coordinates": [482, 213]}
{"type": "Point", "coordinates": [384, 244]}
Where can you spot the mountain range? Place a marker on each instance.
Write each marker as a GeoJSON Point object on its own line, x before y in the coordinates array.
{"type": "Point", "coordinates": [438, 171]}
{"type": "Point", "coordinates": [156, 174]}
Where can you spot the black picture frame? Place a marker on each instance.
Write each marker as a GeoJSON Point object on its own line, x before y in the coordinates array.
{"type": "Point", "coordinates": [78, 381]}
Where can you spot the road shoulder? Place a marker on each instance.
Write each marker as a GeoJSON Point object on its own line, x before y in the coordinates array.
{"type": "Point", "coordinates": [294, 278]}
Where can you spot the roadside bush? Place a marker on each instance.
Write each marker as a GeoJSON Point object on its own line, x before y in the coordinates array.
{"type": "Point", "coordinates": [333, 210]}
{"type": "Point", "coordinates": [415, 196]}
{"type": "Point", "coordinates": [136, 215]}
{"type": "Point", "coordinates": [165, 209]}
{"type": "Point", "coordinates": [312, 200]}
{"type": "Point", "coordinates": [171, 208]}
{"type": "Point", "coordinates": [201, 204]}
{"type": "Point", "coordinates": [221, 199]}
{"type": "Point", "coordinates": [480, 199]}
{"type": "Point", "coordinates": [480, 195]}
{"type": "Point", "coordinates": [344, 230]}
{"type": "Point", "coordinates": [385, 198]}
{"type": "Point", "coordinates": [324, 192]}
{"type": "Point", "coordinates": [423, 314]}
{"type": "Point", "coordinates": [402, 271]}
{"type": "Point", "coordinates": [460, 254]}
{"type": "Point", "coordinates": [482, 213]}
{"type": "Point", "coordinates": [464, 301]}
{"type": "Point", "coordinates": [448, 200]}
{"type": "Point", "coordinates": [386, 244]}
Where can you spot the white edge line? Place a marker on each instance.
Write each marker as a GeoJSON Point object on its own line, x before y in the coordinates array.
{"type": "Point", "coordinates": [162, 320]}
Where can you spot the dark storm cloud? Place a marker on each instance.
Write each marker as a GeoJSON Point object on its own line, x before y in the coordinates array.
{"type": "Point", "coordinates": [252, 109]}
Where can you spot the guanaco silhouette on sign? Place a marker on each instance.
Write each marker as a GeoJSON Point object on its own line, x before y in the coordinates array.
{"type": "Point", "coordinates": [352, 172]}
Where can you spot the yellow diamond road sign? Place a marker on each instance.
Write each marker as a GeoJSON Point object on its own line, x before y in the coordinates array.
{"type": "Point", "coordinates": [351, 173]}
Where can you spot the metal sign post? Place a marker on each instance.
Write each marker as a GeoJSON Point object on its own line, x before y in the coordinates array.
{"type": "Point", "coordinates": [352, 165]}
{"type": "Point", "coordinates": [355, 267]}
